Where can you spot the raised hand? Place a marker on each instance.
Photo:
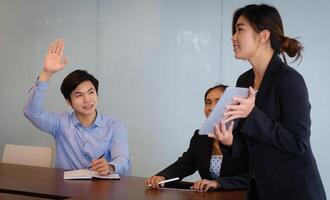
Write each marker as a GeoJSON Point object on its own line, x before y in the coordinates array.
{"type": "Point", "coordinates": [54, 60]}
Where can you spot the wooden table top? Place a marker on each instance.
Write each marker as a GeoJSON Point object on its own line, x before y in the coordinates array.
{"type": "Point", "coordinates": [39, 182]}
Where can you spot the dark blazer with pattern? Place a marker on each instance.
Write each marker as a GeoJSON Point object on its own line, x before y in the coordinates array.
{"type": "Point", "coordinates": [233, 174]}
{"type": "Point", "coordinates": [276, 136]}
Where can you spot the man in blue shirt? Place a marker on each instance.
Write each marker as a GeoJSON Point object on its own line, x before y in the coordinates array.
{"type": "Point", "coordinates": [84, 138]}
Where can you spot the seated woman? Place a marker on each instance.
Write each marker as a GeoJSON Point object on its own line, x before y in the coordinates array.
{"type": "Point", "coordinates": [205, 156]}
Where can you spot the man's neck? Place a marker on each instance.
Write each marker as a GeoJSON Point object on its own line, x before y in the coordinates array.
{"type": "Point", "coordinates": [86, 120]}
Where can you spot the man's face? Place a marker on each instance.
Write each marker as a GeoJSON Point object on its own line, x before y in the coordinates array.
{"type": "Point", "coordinates": [84, 99]}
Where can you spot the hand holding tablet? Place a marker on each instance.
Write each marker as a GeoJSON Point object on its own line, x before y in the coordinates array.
{"type": "Point", "coordinates": [217, 114]}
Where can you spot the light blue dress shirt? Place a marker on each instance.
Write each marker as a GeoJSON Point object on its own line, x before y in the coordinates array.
{"type": "Point", "coordinates": [77, 145]}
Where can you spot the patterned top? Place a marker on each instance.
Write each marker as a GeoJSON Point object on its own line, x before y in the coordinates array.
{"type": "Point", "coordinates": [215, 166]}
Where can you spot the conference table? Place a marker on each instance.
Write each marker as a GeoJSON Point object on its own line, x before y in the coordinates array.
{"type": "Point", "coordinates": [27, 182]}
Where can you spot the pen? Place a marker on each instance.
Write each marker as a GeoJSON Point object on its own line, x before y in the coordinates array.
{"type": "Point", "coordinates": [101, 156]}
{"type": "Point", "coordinates": [166, 181]}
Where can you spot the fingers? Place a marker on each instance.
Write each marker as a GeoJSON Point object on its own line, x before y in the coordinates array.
{"type": "Point", "coordinates": [60, 47]}
{"type": "Point", "coordinates": [208, 187]}
{"type": "Point", "coordinates": [56, 47]}
{"type": "Point", "coordinates": [252, 92]}
{"type": "Point", "coordinates": [106, 170]}
{"type": "Point", "coordinates": [242, 110]}
{"type": "Point", "coordinates": [103, 171]}
{"type": "Point", "coordinates": [227, 133]}
{"type": "Point", "coordinates": [54, 60]}
{"type": "Point", "coordinates": [237, 101]}
{"type": "Point", "coordinates": [50, 48]}
{"type": "Point", "coordinates": [65, 61]}
{"type": "Point", "coordinates": [153, 181]}
{"type": "Point", "coordinates": [197, 185]}
{"type": "Point", "coordinates": [231, 126]}
{"type": "Point", "coordinates": [231, 117]}
{"type": "Point", "coordinates": [224, 135]}
{"type": "Point", "coordinates": [56, 44]}
{"type": "Point", "coordinates": [223, 128]}
{"type": "Point", "coordinates": [231, 108]}
{"type": "Point", "coordinates": [211, 186]}
{"type": "Point", "coordinates": [217, 133]}
{"type": "Point", "coordinates": [98, 162]}
{"type": "Point", "coordinates": [101, 166]}
{"type": "Point", "coordinates": [200, 186]}
{"type": "Point", "coordinates": [205, 185]}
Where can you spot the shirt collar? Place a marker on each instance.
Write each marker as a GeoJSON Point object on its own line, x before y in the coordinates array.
{"type": "Point", "coordinates": [97, 122]}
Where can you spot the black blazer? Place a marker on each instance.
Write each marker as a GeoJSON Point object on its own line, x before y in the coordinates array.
{"type": "Point", "coordinates": [233, 174]}
{"type": "Point", "coordinates": [275, 136]}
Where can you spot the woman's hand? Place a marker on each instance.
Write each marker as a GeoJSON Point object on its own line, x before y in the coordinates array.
{"type": "Point", "coordinates": [153, 181]}
{"type": "Point", "coordinates": [205, 185]}
{"type": "Point", "coordinates": [243, 107]}
{"type": "Point", "coordinates": [224, 135]}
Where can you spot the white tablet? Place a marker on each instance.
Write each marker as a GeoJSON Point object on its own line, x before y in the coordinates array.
{"type": "Point", "coordinates": [217, 113]}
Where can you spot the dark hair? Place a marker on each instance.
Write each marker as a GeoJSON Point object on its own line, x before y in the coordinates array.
{"type": "Point", "coordinates": [263, 17]}
{"type": "Point", "coordinates": [219, 86]}
{"type": "Point", "coordinates": [72, 80]}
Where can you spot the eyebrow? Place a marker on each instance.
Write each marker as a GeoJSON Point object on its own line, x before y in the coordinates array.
{"type": "Point", "coordinates": [239, 24]}
{"type": "Point", "coordinates": [207, 100]}
{"type": "Point", "coordinates": [90, 89]}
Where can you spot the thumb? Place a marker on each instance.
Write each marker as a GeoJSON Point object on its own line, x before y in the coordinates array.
{"type": "Point", "coordinates": [64, 61]}
{"type": "Point", "coordinates": [252, 92]}
{"type": "Point", "coordinates": [231, 126]}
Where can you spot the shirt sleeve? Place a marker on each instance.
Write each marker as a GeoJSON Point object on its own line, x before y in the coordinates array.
{"type": "Point", "coordinates": [120, 156]}
{"type": "Point", "coordinates": [237, 182]}
{"type": "Point", "coordinates": [35, 112]}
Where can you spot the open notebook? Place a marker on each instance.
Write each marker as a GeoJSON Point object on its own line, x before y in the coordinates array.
{"type": "Point", "coordinates": [87, 174]}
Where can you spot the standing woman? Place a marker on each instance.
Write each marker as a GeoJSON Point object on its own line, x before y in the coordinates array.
{"type": "Point", "coordinates": [274, 126]}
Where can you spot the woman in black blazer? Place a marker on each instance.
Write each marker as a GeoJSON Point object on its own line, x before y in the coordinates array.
{"type": "Point", "coordinates": [274, 126]}
{"type": "Point", "coordinates": [225, 173]}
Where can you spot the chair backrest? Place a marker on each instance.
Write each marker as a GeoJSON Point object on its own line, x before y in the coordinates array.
{"type": "Point", "coordinates": [28, 155]}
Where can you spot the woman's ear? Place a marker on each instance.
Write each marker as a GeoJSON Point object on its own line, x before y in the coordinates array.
{"type": "Point", "coordinates": [264, 36]}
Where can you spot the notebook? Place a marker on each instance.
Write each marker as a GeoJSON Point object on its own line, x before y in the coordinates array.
{"type": "Point", "coordinates": [87, 174]}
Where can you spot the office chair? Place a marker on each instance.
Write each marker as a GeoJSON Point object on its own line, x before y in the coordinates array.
{"type": "Point", "coordinates": [28, 155]}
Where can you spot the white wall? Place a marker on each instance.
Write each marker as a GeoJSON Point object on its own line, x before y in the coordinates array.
{"type": "Point", "coordinates": [154, 59]}
{"type": "Point", "coordinates": [26, 29]}
{"type": "Point", "coordinates": [158, 64]}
